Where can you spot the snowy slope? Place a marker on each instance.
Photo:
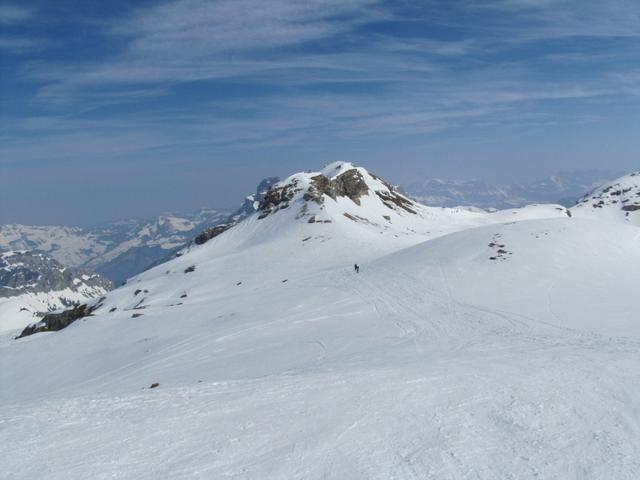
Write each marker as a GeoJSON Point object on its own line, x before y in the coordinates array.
{"type": "Point", "coordinates": [615, 201]}
{"type": "Point", "coordinates": [471, 345]}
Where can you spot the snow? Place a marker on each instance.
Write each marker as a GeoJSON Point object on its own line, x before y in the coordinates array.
{"type": "Point", "coordinates": [436, 361]}
{"type": "Point", "coordinates": [618, 201]}
{"type": "Point", "coordinates": [18, 311]}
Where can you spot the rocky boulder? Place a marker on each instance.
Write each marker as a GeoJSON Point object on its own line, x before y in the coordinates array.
{"type": "Point", "coordinates": [52, 322]}
{"type": "Point", "coordinates": [211, 232]}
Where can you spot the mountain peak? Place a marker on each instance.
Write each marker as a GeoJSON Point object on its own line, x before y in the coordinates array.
{"type": "Point", "coordinates": [340, 184]}
{"type": "Point", "coordinates": [618, 200]}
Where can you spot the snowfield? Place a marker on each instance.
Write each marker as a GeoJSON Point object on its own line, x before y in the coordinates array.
{"type": "Point", "coordinates": [471, 346]}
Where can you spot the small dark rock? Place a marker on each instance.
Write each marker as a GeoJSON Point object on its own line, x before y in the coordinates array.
{"type": "Point", "coordinates": [154, 385]}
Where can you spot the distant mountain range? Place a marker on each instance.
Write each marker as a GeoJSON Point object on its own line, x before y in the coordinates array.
{"type": "Point", "coordinates": [122, 249]}
{"type": "Point", "coordinates": [116, 250]}
{"type": "Point", "coordinates": [32, 284]}
{"type": "Point", "coordinates": [564, 188]}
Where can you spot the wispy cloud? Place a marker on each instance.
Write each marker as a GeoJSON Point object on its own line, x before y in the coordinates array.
{"type": "Point", "coordinates": [325, 69]}
{"type": "Point", "coordinates": [19, 44]}
{"type": "Point", "coordinates": [568, 18]}
{"type": "Point", "coordinates": [12, 13]}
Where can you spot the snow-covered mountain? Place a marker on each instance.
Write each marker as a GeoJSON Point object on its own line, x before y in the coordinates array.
{"type": "Point", "coordinates": [617, 201]}
{"type": "Point", "coordinates": [117, 250]}
{"type": "Point", "coordinates": [32, 284]}
{"type": "Point", "coordinates": [122, 249]}
{"type": "Point", "coordinates": [564, 188]}
{"type": "Point", "coordinates": [470, 345]}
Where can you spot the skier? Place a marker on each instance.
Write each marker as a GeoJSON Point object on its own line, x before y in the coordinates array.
{"type": "Point", "coordinates": [356, 267]}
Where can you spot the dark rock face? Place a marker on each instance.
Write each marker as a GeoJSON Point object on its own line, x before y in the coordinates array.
{"type": "Point", "coordinates": [277, 198]}
{"type": "Point", "coordinates": [394, 198]}
{"type": "Point", "coordinates": [211, 232]}
{"type": "Point", "coordinates": [52, 322]}
{"type": "Point", "coordinates": [349, 184]}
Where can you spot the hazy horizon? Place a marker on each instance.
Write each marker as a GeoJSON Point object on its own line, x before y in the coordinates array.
{"type": "Point", "coordinates": [236, 202]}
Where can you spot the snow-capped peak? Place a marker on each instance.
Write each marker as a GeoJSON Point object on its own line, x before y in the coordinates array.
{"type": "Point", "coordinates": [339, 188]}
{"type": "Point", "coordinates": [618, 201]}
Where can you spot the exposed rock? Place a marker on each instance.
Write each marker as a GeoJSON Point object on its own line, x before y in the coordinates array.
{"type": "Point", "coordinates": [211, 232]}
{"type": "Point", "coordinates": [349, 184]}
{"type": "Point", "coordinates": [52, 322]}
{"type": "Point", "coordinates": [277, 197]}
{"type": "Point", "coordinates": [394, 198]}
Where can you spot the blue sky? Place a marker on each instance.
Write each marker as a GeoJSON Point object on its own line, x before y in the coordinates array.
{"type": "Point", "coordinates": [116, 109]}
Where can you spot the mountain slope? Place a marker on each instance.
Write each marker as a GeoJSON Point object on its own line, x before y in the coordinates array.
{"type": "Point", "coordinates": [615, 201]}
{"type": "Point", "coordinates": [471, 345]}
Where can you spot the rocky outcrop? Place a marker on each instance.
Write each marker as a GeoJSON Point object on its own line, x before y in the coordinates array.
{"type": "Point", "coordinates": [52, 322]}
{"type": "Point", "coordinates": [211, 232]}
{"type": "Point", "coordinates": [278, 198]}
{"type": "Point", "coordinates": [350, 184]}
{"type": "Point", "coordinates": [621, 196]}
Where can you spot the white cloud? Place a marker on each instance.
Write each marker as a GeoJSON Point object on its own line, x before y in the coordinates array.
{"type": "Point", "coordinates": [402, 85]}
{"type": "Point", "coordinates": [18, 44]}
{"type": "Point", "coordinates": [14, 14]}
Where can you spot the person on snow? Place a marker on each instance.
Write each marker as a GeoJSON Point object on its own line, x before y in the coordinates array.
{"type": "Point", "coordinates": [356, 267]}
